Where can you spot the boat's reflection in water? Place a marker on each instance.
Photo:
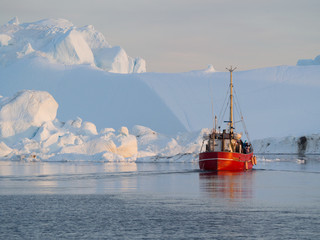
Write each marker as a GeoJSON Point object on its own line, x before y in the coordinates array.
{"type": "Point", "coordinates": [227, 185]}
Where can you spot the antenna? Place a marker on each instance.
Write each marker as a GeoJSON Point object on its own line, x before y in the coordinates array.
{"type": "Point", "coordinates": [231, 69]}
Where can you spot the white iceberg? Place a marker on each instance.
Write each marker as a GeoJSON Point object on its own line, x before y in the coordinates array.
{"type": "Point", "coordinates": [59, 41]}
{"type": "Point", "coordinates": [28, 127]}
{"type": "Point", "coordinates": [25, 112]}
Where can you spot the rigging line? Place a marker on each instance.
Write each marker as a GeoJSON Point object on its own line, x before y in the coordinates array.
{"type": "Point", "coordinates": [242, 118]}
{"type": "Point", "coordinates": [237, 108]}
{"type": "Point", "coordinates": [235, 93]}
{"type": "Point", "coordinates": [221, 119]}
{"type": "Point", "coordinates": [211, 95]}
{"type": "Point", "coordinates": [222, 107]}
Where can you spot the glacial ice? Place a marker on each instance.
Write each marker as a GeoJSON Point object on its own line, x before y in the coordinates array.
{"type": "Point", "coordinates": [58, 40]}
{"type": "Point", "coordinates": [30, 131]}
{"type": "Point", "coordinates": [26, 110]}
{"type": "Point", "coordinates": [308, 62]}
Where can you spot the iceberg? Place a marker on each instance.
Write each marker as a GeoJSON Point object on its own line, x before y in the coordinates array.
{"type": "Point", "coordinates": [59, 41]}
{"type": "Point", "coordinates": [25, 112]}
{"type": "Point", "coordinates": [301, 145]}
{"type": "Point", "coordinates": [308, 62]}
{"type": "Point", "coordinates": [30, 131]}
{"type": "Point", "coordinates": [28, 127]}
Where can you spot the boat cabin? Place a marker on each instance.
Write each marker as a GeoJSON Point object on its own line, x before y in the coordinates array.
{"type": "Point", "coordinates": [226, 142]}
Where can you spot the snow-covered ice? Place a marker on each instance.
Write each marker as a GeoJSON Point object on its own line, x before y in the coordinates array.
{"type": "Point", "coordinates": [277, 101]}
{"type": "Point", "coordinates": [31, 131]}
{"type": "Point", "coordinates": [29, 128]}
{"type": "Point", "coordinates": [26, 111]}
{"type": "Point", "coordinates": [58, 40]}
{"type": "Point", "coordinates": [302, 145]}
{"type": "Point", "coordinates": [4, 40]}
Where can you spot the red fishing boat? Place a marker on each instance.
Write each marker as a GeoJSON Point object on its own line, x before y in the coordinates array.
{"type": "Point", "coordinates": [225, 151]}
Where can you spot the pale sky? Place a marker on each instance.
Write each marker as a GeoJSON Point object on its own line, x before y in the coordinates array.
{"type": "Point", "coordinates": [185, 35]}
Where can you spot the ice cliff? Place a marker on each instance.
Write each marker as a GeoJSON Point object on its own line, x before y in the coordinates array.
{"type": "Point", "coordinates": [59, 41]}
{"type": "Point", "coordinates": [303, 145]}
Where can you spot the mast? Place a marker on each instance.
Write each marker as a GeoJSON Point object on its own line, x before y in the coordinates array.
{"type": "Point", "coordinates": [231, 100]}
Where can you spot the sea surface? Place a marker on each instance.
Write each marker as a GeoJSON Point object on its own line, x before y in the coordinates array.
{"type": "Point", "coordinates": [279, 199]}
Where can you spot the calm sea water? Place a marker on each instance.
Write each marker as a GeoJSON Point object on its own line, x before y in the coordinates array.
{"type": "Point", "coordinates": [280, 199]}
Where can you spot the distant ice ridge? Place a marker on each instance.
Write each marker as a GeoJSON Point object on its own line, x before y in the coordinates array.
{"type": "Point", "coordinates": [31, 132]}
{"type": "Point", "coordinates": [58, 40]}
{"type": "Point", "coordinates": [307, 62]}
{"type": "Point", "coordinates": [309, 144]}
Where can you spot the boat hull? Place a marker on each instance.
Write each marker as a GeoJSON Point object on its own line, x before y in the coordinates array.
{"type": "Point", "coordinates": [225, 161]}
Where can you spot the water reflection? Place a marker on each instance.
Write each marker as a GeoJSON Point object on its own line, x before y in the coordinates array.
{"type": "Point", "coordinates": [65, 177]}
{"type": "Point", "coordinates": [309, 163]}
{"type": "Point", "coordinates": [120, 167]}
{"type": "Point", "coordinates": [121, 177]}
{"type": "Point", "coordinates": [227, 185]}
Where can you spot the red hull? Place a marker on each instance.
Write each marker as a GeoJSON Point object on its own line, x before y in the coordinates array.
{"type": "Point", "coordinates": [225, 161]}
